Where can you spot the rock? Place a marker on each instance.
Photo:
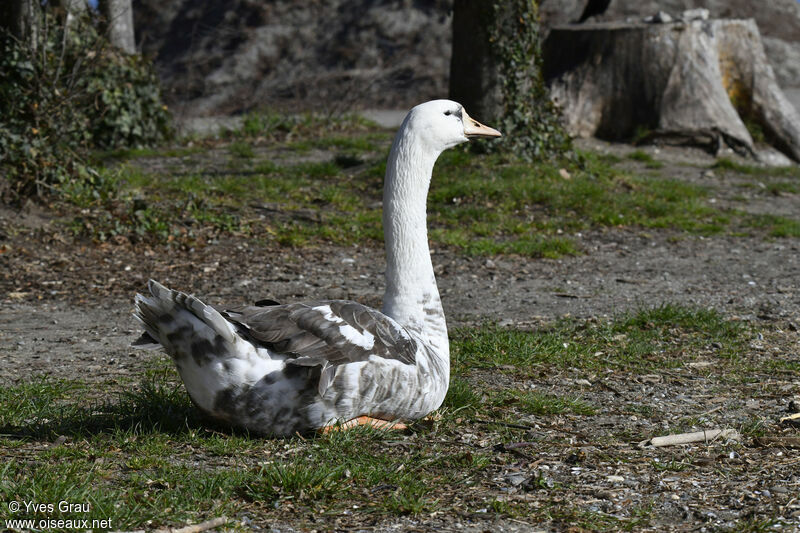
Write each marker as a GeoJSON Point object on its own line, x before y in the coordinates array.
{"type": "Point", "coordinates": [694, 14]}
{"type": "Point", "coordinates": [771, 157]}
{"type": "Point", "coordinates": [661, 17]}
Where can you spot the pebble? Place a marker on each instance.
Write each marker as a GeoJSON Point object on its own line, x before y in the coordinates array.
{"type": "Point", "coordinates": [615, 479]}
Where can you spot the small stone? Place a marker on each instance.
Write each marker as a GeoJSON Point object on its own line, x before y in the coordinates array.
{"type": "Point", "coordinates": [662, 17]}
{"type": "Point", "coordinates": [615, 479]}
{"type": "Point", "coordinates": [695, 14]}
{"type": "Point", "coordinates": [516, 479]}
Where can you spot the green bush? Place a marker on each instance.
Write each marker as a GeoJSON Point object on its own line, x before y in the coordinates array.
{"type": "Point", "coordinates": [65, 95]}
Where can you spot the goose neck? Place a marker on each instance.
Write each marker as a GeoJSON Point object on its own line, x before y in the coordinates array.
{"type": "Point", "coordinates": [412, 297]}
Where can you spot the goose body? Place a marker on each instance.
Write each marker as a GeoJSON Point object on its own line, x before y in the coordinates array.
{"type": "Point", "coordinates": [282, 369]}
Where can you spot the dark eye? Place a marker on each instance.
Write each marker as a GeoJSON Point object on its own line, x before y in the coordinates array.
{"type": "Point", "coordinates": [448, 113]}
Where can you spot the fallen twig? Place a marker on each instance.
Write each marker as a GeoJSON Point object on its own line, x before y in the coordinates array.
{"type": "Point", "coordinates": [791, 420]}
{"type": "Point", "coordinates": [697, 436]}
{"type": "Point", "coordinates": [710, 411]}
{"type": "Point", "coordinates": [202, 526]}
{"type": "Point", "coordinates": [194, 528]}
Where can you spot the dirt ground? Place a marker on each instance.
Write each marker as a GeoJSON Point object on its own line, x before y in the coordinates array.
{"type": "Point", "coordinates": [66, 312]}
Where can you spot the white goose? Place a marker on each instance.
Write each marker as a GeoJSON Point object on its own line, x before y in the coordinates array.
{"type": "Point", "coordinates": [282, 369]}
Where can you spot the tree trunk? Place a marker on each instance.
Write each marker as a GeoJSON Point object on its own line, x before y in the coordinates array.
{"type": "Point", "coordinates": [496, 73]}
{"type": "Point", "coordinates": [20, 18]}
{"type": "Point", "coordinates": [71, 10]}
{"type": "Point", "coordinates": [474, 69]}
{"type": "Point", "coordinates": [118, 15]}
{"type": "Point", "coordinates": [698, 82]}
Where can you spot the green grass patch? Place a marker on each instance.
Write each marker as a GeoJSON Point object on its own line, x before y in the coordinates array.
{"type": "Point", "coordinates": [478, 204]}
{"type": "Point", "coordinates": [461, 396]}
{"type": "Point", "coordinates": [145, 456]}
{"type": "Point", "coordinates": [644, 157]}
{"type": "Point", "coordinates": [635, 342]}
{"type": "Point", "coordinates": [295, 481]}
{"type": "Point", "coordinates": [537, 403]}
{"type": "Point", "coordinates": [142, 456]}
{"type": "Point", "coordinates": [775, 225]}
{"type": "Point", "coordinates": [241, 149]}
{"type": "Point", "coordinates": [725, 164]}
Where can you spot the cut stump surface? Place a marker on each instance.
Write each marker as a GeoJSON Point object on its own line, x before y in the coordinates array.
{"type": "Point", "coordinates": [701, 82]}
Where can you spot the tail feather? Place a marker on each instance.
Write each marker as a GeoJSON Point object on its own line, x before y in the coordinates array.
{"type": "Point", "coordinates": [145, 342]}
{"type": "Point", "coordinates": [160, 314]}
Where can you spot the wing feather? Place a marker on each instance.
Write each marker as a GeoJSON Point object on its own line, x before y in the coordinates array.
{"type": "Point", "coordinates": [326, 333]}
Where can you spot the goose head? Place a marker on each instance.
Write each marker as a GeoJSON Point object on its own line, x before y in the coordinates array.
{"type": "Point", "coordinates": [442, 124]}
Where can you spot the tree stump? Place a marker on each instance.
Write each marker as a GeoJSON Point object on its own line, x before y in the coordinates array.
{"type": "Point", "coordinates": [699, 82]}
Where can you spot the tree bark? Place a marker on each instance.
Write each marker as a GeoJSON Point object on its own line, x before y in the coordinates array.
{"type": "Point", "coordinates": [71, 10]}
{"type": "Point", "coordinates": [697, 82]}
{"type": "Point", "coordinates": [118, 15]}
{"type": "Point", "coordinates": [474, 70]}
{"type": "Point", "coordinates": [20, 18]}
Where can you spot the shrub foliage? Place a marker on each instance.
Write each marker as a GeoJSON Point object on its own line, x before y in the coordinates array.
{"type": "Point", "coordinates": [65, 95]}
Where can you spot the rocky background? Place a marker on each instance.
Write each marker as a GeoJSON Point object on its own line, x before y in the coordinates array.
{"type": "Point", "coordinates": [228, 56]}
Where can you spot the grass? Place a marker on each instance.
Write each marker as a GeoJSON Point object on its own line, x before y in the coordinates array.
{"type": "Point", "coordinates": [633, 342]}
{"type": "Point", "coordinates": [241, 149]}
{"type": "Point", "coordinates": [725, 164]}
{"type": "Point", "coordinates": [647, 159]}
{"type": "Point", "coordinates": [145, 456]}
{"type": "Point", "coordinates": [478, 204]}
{"type": "Point", "coordinates": [537, 403]}
{"type": "Point", "coordinates": [775, 225]}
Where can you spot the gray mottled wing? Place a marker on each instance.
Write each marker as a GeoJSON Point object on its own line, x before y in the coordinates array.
{"type": "Point", "coordinates": [326, 333]}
